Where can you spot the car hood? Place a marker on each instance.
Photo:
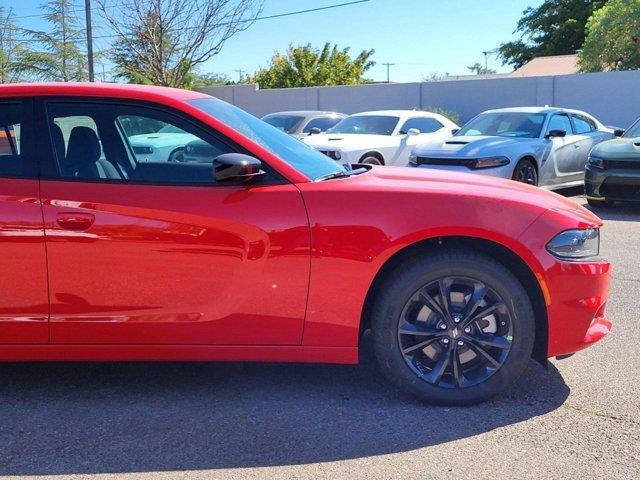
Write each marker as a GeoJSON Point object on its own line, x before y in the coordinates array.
{"type": "Point", "coordinates": [470, 146]}
{"type": "Point", "coordinates": [499, 192]}
{"type": "Point", "coordinates": [162, 139]}
{"type": "Point", "coordinates": [618, 148]}
{"type": "Point", "coordinates": [348, 141]}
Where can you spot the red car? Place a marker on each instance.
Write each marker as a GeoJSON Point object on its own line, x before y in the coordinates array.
{"type": "Point", "coordinates": [272, 251]}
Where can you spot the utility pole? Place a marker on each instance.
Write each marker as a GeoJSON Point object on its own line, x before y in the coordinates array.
{"type": "Point", "coordinates": [87, 8]}
{"type": "Point", "coordinates": [388, 65]}
{"type": "Point", "coordinates": [239, 72]}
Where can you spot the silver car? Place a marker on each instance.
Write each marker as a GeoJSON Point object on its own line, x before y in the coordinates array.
{"type": "Point", "coordinates": [543, 146]}
{"type": "Point", "coordinates": [302, 123]}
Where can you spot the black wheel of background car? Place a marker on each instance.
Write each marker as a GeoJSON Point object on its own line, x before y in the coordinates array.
{"type": "Point", "coordinates": [525, 172]}
{"type": "Point", "coordinates": [177, 155]}
{"type": "Point", "coordinates": [453, 328]}
{"type": "Point", "coordinates": [599, 203]}
{"type": "Point", "coordinates": [371, 159]}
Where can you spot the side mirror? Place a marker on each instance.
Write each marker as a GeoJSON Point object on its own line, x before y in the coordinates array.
{"type": "Point", "coordinates": [314, 131]}
{"type": "Point", "coordinates": [618, 132]}
{"type": "Point", "coordinates": [413, 131]}
{"type": "Point", "coordinates": [556, 134]}
{"type": "Point", "coordinates": [454, 131]}
{"type": "Point", "coordinates": [236, 167]}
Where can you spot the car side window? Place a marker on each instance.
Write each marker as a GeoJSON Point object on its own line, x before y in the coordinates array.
{"type": "Point", "coordinates": [323, 123]}
{"type": "Point", "coordinates": [423, 124]}
{"type": "Point", "coordinates": [131, 144]}
{"type": "Point", "coordinates": [11, 161]}
{"type": "Point", "coordinates": [560, 121]}
{"type": "Point", "coordinates": [583, 124]}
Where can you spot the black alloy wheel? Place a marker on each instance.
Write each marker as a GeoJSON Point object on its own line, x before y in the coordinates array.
{"type": "Point", "coordinates": [525, 172]}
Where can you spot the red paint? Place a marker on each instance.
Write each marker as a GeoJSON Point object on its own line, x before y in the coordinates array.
{"type": "Point", "coordinates": [274, 273]}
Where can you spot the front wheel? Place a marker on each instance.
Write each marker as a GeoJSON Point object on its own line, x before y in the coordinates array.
{"type": "Point", "coordinates": [453, 328]}
{"type": "Point", "coordinates": [525, 172]}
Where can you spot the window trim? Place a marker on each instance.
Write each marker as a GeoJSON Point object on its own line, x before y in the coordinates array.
{"type": "Point", "coordinates": [52, 171]}
{"type": "Point", "coordinates": [592, 124]}
{"type": "Point", "coordinates": [27, 147]}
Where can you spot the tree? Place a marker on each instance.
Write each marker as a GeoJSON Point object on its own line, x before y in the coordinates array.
{"type": "Point", "coordinates": [200, 80]}
{"type": "Point", "coordinates": [60, 56]}
{"type": "Point", "coordinates": [557, 27]}
{"type": "Point", "coordinates": [613, 38]}
{"type": "Point", "coordinates": [305, 66]}
{"type": "Point", "coordinates": [480, 70]}
{"type": "Point", "coordinates": [9, 47]}
{"type": "Point", "coordinates": [162, 42]}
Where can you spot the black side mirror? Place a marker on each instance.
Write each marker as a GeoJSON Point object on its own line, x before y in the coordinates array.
{"type": "Point", "coordinates": [315, 131]}
{"type": "Point", "coordinates": [454, 131]}
{"type": "Point", "coordinates": [618, 132]}
{"type": "Point", "coordinates": [236, 167]}
{"type": "Point", "coordinates": [556, 134]}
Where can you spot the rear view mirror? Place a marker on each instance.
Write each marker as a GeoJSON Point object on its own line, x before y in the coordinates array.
{"type": "Point", "coordinates": [236, 167]}
{"type": "Point", "coordinates": [413, 131]}
{"type": "Point", "coordinates": [618, 132]}
{"type": "Point", "coordinates": [556, 133]}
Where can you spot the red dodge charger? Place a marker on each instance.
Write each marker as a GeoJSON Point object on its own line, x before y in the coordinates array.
{"type": "Point", "coordinates": [145, 223]}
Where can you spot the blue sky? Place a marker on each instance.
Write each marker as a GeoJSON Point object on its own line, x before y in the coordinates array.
{"type": "Point", "coordinates": [419, 36]}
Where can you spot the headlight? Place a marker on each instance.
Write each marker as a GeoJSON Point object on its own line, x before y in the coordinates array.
{"type": "Point", "coordinates": [575, 244]}
{"type": "Point", "coordinates": [489, 162]}
{"type": "Point", "coordinates": [596, 162]}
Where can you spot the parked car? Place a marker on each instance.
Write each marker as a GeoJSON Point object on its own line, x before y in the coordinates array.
{"type": "Point", "coordinates": [256, 257]}
{"type": "Point", "coordinates": [164, 145]}
{"type": "Point", "coordinates": [613, 171]}
{"type": "Point", "coordinates": [542, 146]}
{"type": "Point", "coordinates": [384, 137]}
{"type": "Point", "coordinates": [303, 123]}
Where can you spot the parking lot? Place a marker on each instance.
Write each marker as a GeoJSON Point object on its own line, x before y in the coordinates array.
{"type": "Point", "coordinates": [580, 418]}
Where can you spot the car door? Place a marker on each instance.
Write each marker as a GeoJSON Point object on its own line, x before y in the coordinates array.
{"type": "Point", "coordinates": [589, 135]}
{"type": "Point", "coordinates": [425, 125]}
{"type": "Point", "coordinates": [559, 166]}
{"type": "Point", "coordinates": [154, 252]}
{"type": "Point", "coordinates": [24, 306]}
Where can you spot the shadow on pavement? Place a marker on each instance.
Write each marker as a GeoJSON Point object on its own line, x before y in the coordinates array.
{"type": "Point", "coordinates": [106, 418]}
{"type": "Point", "coordinates": [618, 211]}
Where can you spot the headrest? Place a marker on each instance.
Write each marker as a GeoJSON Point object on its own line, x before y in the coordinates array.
{"type": "Point", "coordinates": [58, 141]}
{"type": "Point", "coordinates": [83, 148]}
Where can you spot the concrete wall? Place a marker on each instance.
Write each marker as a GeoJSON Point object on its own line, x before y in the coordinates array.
{"type": "Point", "coordinates": [613, 97]}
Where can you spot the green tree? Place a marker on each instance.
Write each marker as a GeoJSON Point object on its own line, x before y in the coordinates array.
{"type": "Point", "coordinates": [478, 69]}
{"type": "Point", "coordinates": [305, 66]}
{"type": "Point", "coordinates": [200, 80]}
{"type": "Point", "coordinates": [613, 38]}
{"type": "Point", "coordinates": [58, 55]}
{"type": "Point", "coordinates": [557, 27]}
{"type": "Point", "coordinates": [9, 47]}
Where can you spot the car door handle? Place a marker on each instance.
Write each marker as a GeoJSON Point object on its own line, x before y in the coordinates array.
{"type": "Point", "coordinates": [75, 221]}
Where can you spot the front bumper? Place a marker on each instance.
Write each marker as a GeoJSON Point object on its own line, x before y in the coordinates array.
{"type": "Point", "coordinates": [612, 184]}
{"type": "Point", "coordinates": [505, 171]}
{"type": "Point", "coordinates": [575, 292]}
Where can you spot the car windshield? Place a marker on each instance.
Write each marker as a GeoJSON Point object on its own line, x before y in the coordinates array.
{"type": "Point", "coordinates": [286, 123]}
{"type": "Point", "coordinates": [170, 129]}
{"type": "Point", "coordinates": [366, 124]}
{"type": "Point", "coordinates": [310, 162]}
{"type": "Point", "coordinates": [505, 124]}
{"type": "Point", "coordinates": [634, 130]}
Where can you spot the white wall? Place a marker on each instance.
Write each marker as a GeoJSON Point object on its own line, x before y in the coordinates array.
{"type": "Point", "coordinates": [613, 97]}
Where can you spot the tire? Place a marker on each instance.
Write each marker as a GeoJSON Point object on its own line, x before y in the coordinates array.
{"type": "Point", "coordinates": [599, 203]}
{"type": "Point", "coordinates": [525, 172]}
{"type": "Point", "coordinates": [370, 159]}
{"type": "Point", "coordinates": [177, 156]}
{"type": "Point", "coordinates": [416, 372]}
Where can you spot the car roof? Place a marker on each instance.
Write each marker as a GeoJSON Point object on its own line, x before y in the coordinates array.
{"type": "Point", "coordinates": [307, 113]}
{"type": "Point", "coordinates": [545, 109]}
{"type": "Point", "coordinates": [396, 113]}
{"type": "Point", "coordinates": [98, 90]}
